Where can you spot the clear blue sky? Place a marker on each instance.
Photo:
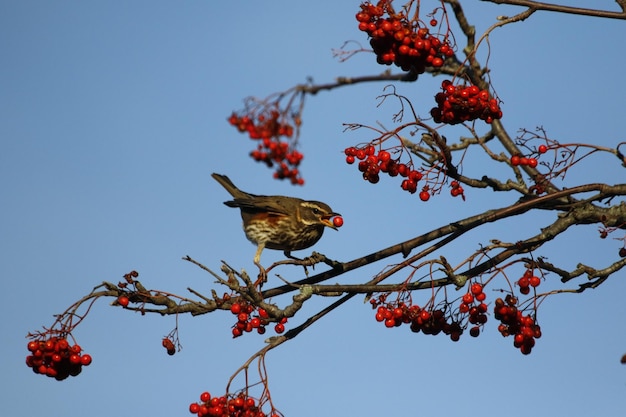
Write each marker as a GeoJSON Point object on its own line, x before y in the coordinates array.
{"type": "Point", "coordinates": [112, 118]}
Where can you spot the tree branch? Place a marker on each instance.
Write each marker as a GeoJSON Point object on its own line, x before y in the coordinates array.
{"type": "Point", "coordinates": [536, 5]}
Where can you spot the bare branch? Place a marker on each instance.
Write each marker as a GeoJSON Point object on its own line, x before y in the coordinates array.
{"type": "Point", "coordinates": [536, 5]}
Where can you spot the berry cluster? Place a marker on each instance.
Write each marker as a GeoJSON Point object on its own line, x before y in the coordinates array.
{"type": "Point", "coordinates": [523, 328]}
{"type": "Point", "coordinates": [528, 280]}
{"type": "Point", "coordinates": [239, 405]}
{"type": "Point", "coordinates": [431, 322]}
{"type": "Point", "coordinates": [401, 41]}
{"type": "Point", "coordinates": [56, 358]}
{"type": "Point", "coordinates": [246, 321]}
{"type": "Point", "coordinates": [456, 190]}
{"type": "Point", "coordinates": [371, 164]}
{"type": "Point", "coordinates": [517, 160]}
{"type": "Point", "coordinates": [462, 103]}
{"type": "Point", "coordinates": [267, 129]}
{"type": "Point", "coordinates": [472, 303]}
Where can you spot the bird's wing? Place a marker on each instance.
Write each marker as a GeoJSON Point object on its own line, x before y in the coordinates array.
{"type": "Point", "coordinates": [260, 203]}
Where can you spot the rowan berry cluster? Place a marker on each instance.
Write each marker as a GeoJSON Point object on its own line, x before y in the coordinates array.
{"type": "Point", "coordinates": [247, 321]}
{"type": "Point", "coordinates": [268, 129]}
{"type": "Point", "coordinates": [371, 164]}
{"type": "Point", "coordinates": [456, 190]}
{"type": "Point", "coordinates": [472, 304]}
{"type": "Point", "coordinates": [531, 161]}
{"type": "Point", "coordinates": [462, 103]}
{"type": "Point", "coordinates": [401, 41]}
{"type": "Point", "coordinates": [529, 279]}
{"type": "Point", "coordinates": [517, 160]}
{"type": "Point", "coordinates": [431, 322]}
{"type": "Point", "coordinates": [513, 322]}
{"type": "Point", "coordinates": [239, 405]}
{"type": "Point", "coordinates": [56, 358]}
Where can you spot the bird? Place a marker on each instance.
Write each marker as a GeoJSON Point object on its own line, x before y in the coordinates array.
{"type": "Point", "coordinates": [278, 222]}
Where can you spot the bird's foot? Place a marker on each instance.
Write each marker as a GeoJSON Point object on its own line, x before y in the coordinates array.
{"type": "Point", "coordinates": [262, 277]}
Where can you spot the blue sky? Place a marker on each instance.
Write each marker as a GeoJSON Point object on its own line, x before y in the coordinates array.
{"type": "Point", "coordinates": [112, 118]}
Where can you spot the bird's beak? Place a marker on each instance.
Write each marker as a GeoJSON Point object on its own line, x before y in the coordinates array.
{"type": "Point", "coordinates": [327, 220]}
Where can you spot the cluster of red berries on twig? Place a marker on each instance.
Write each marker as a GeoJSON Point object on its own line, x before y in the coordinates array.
{"type": "Point", "coordinates": [517, 160]}
{"type": "Point", "coordinates": [239, 405]}
{"type": "Point", "coordinates": [456, 189]}
{"type": "Point", "coordinates": [372, 163]}
{"type": "Point", "coordinates": [472, 304]}
{"type": "Point", "coordinates": [247, 321]}
{"type": "Point", "coordinates": [267, 128]}
{"type": "Point", "coordinates": [462, 103]}
{"type": "Point", "coordinates": [528, 280]}
{"type": "Point", "coordinates": [428, 321]}
{"type": "Point", "coordinates": [55, 357]}
{"type": "Point", "coordinates": [401, 41]}
{"type": "Point", "coordinates": [472, 312]}
{"type": "Point", "coordinates": [523, 328]}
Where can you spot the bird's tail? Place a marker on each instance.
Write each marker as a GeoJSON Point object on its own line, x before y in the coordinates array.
{"type": "Point", "coordinates": [229, 186]}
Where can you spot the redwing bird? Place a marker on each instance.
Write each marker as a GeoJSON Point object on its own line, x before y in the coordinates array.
{"type": "Point", "coordinates": [279, 222]}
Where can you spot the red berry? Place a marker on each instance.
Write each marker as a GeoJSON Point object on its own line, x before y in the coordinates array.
{"type": "Point", "coordinates": [433, 22]}
{"type": "Point", "coordinates": [235, 308]}
{"type": "Point", "coordinates": [123, 300]}
{"type": "Point", "coordinates": [338, 221]}
{"type": "Point", "coordinates": [542, 149]}
{"type": "Point", "coordinates": [205, 397]}
{"type": "Point", "coordinates": [534, 281]}
{"type": "Point", "coordinates": [279, 328]}
{"type": "Point", "coordinates": [194, 408]}
{"type": "Point", "coordinates": [468, 298]}
{"type": "Point", "coordinates": [390, 323]}
{"type": "Point", "coordinates": [424, 195]}
{"type": "Point", "coordinates": [524, 282]}
{"type": "Point", "coordinates": [476, 288]}
{"type": "Point", "coordinates": [63, 345]}
{"type": "Point", "coordinates": [33, 345]}
{"type": "Point", "coordinates": [532, 162]}
{"type": "Point", "coordinates": [85, 360]}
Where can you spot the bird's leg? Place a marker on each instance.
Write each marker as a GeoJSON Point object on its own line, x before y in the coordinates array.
{"type": "Point", "coordinates": [262, 279]}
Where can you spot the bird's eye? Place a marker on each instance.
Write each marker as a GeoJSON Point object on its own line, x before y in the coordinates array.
{"type": "Point", "coordinates": [316, 211]}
